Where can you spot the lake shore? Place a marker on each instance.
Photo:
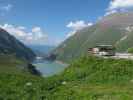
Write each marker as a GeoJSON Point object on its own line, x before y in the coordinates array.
{"type": "Point", "coordinates": [50, 68]}
{"type": "Point", "coordinates": [62, 63]}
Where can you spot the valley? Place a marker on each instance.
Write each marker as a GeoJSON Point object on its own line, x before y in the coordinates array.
{"type": "Point", "coordinates": [93, 61]}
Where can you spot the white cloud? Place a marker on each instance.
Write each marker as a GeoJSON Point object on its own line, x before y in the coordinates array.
{"type": "Point", "coordinates": [76, 26]}
{"type": "Point", "coordinates": [116, 4]}
{"type": "Point", "coordinates": [36, 29]}
{"type": "Point", "coordinates": [110, 12]}
{"type": "Point", "coordinates": [21, 27]}
{"type": "Point", "coordinates": [71, 33]}
{"type": "Point", "coordinates": [7, 7]}
{"type": "Point", "coordinates": [119, 5]}
{"type": "Point", "coordinates": [35, 36]}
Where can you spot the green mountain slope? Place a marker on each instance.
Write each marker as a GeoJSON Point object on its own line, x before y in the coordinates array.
{"type": "Point", "coordinates": [15, 56]}
{"type": "Point", "coordinates": [88, 78]}
{"type": "Point", "coordinates": [10, 64]}
{"type": "Point", "coordinates": [115, 29]}
{"type": "Point", "coordinates": [10, 45]}
{"type": "Point", "coordinates": [126, 43]}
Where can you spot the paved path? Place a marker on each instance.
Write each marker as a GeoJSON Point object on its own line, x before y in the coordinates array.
{"type": "Point", "coordinates": [123, 56]}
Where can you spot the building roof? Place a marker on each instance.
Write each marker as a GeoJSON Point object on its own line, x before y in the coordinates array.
{"type": "Point", "coordinates": [104, 46]}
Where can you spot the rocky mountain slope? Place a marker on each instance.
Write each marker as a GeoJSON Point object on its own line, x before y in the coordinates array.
{"type": "Point", "coordinates": [10, 45]}
{"type": "Point", "coordinates": [41, 50]}
{"type": "Point", "coordinates": [115, 29]}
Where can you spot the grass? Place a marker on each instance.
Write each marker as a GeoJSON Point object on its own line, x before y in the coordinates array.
{"type": "Point", "coordinates": [78, 44]}
{"type": "Point", "coordinates": [91, 78]}
{"type": "Point", "coordinates": [88, 78]}
{"type": "Point", "coordinates": [130, 50]}
{"type": "Point", "coordinates": [11, 64]}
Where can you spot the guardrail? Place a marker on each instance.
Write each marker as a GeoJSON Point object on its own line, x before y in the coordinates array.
{"type": "Point", "coordinates": [119, 56]}
{"type": "Point", "coordinates": [123, 56]}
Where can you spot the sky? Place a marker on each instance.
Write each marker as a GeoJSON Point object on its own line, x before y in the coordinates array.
{"type": "Point", "coordinates": [49, 22]}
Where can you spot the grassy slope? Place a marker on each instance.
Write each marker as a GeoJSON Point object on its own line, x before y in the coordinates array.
{"type": "Point", "coordinates": [69, 49]}
{"type": "Point", "coordinates": [97, 79]}
{"type": "Point", "coordinates": [109, 30]}
{"type": "Point", "coordinates": [88, 78]}
{"type": "Point", "coordinates": [126, 43]}
{"type": "Point", "coordinates": [11, 64]}
{"type": "Point", "coordinates": [78, 44]}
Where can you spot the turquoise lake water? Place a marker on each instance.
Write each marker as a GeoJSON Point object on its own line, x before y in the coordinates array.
{"type": "Point", "coordinates": [50, 68]}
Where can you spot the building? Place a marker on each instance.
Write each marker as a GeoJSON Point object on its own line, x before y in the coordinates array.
{"type": "Point", "coordinates": [103, 50]}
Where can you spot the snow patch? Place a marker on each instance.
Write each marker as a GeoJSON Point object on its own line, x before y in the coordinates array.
{"type": "Point", "coordinates": [129, 28]}
{"type": "Point", "coordinates": [123, 38]}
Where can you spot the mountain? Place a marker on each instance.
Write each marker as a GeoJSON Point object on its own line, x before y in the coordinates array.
{"type": "Point", "coordinates": [115, 29]}
{"type": "Point", "coordinates": [41, 50]}
{"type": "Point", "coordinates": [10, 45]}
{"type": "Point", "coordinates": [15, 57]}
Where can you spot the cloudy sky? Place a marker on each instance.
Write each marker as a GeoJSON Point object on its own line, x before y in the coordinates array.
{"type": "Point", "coordinates": [48, 22]}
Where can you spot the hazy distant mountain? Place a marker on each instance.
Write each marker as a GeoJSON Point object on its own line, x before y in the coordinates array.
{"type": "Point", "coordinates": [10, 45]}
{"type": "Point", "coordinates": [41, 50]}
{"type": "Point", "coordinates": [115, 29]}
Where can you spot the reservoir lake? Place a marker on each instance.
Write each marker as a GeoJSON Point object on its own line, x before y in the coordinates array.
{"type": "Point", "coordinates": [48, 68]}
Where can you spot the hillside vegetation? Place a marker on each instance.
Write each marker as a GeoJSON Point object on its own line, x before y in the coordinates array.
{"type": "Point", "coordinates": [115, 29]}
{"type": "Point", "coordinates": [11, 64]}
{"type": "Point", "coordinates": [88, 78]}
{"type": "Point", "coordinates": [130, 50]}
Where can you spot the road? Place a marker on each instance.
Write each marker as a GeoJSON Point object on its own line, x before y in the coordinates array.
{"type": "Point", "coordinates": [123, 56]}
